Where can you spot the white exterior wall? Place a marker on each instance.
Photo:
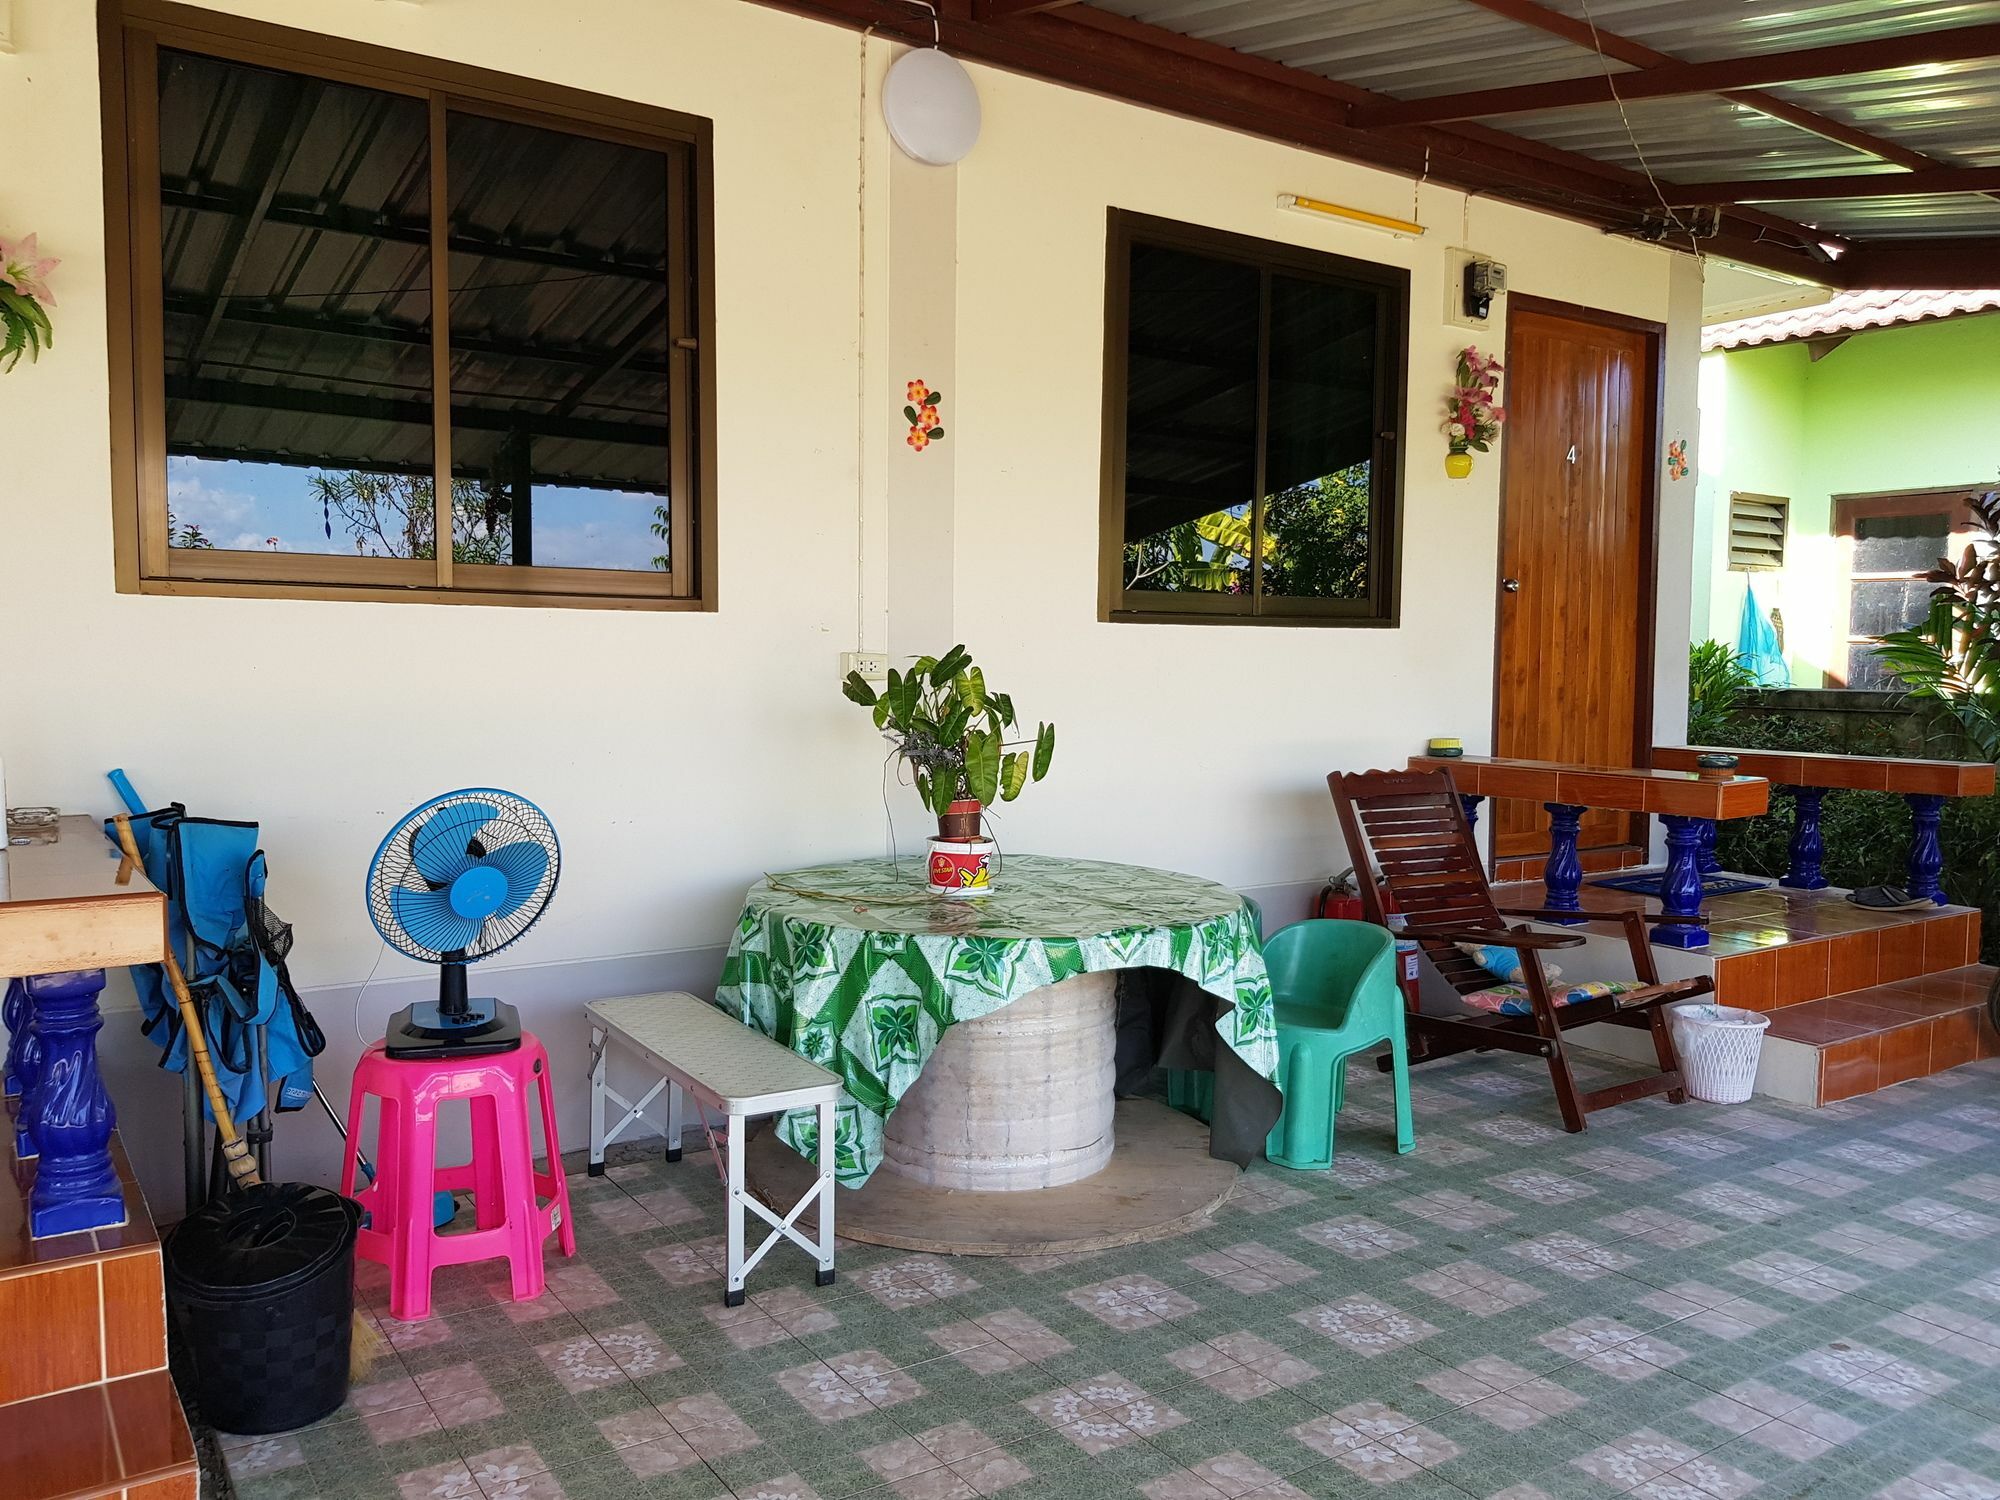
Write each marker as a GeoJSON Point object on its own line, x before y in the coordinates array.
{"type": "Point", "coordinates": [681, 755]}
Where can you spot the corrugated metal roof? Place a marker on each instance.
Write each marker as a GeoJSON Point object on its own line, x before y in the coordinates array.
{"type": "Point", "coordinates": [1413, 49]}
{"type": "Point", "coordinates": [1847, 312]}
{"type": "Point", "coordinates": [1695, 138]}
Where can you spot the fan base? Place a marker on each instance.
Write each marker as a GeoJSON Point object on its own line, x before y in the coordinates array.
{"type": "Point", "coordinates": [424, 1031]}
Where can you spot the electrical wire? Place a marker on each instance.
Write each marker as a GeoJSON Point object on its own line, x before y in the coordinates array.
{"type": "Point", "coordinates": [1632, 137]}
{"type": "Point", "coordinates": [937, 35]}
{"type": "Point", "coordinates": [358, 1036]}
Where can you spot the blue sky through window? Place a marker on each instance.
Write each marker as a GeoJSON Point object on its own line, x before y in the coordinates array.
{"type": "Point", "coordinates": [259, 507]}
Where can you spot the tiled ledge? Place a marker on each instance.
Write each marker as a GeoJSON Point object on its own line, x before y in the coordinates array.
{"type": "Point", "coordinates": [123, 1438]}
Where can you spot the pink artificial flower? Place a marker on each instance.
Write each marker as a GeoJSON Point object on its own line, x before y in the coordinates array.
{"type": "Point", "coordinates": [23, 266]}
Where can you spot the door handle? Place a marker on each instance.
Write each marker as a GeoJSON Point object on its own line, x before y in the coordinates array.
{"type": "Point", "coordinates": [1511, 585]}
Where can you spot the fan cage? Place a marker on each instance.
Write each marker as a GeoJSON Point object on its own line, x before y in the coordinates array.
{"type": "Point", "coordinates": [467, 823]}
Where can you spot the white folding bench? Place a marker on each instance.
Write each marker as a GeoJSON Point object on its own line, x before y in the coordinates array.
{"type": "Point", "coordinates": [739, 1073]}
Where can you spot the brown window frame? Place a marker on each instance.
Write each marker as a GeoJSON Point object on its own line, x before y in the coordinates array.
{"type": "Point", "coordinates": [130, 33]}
{"type": "Point", "coordinates": [1381, 608]}
{"type": "Point", "coordinates": [1951, 501]}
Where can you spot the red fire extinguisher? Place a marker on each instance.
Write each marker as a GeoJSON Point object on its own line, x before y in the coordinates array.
{"type": "Point", "coordinates": [1338, 900]}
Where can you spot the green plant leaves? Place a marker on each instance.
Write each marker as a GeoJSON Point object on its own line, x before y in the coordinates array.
{"type": "Point", "coordinates": [982, 765]}
{"type": "Point", "coordinates": [949, 730]}
{"type": "Point", "coordinates": [903, 693]}
{"type": "Point", "coordinates": [1013, 775]}
{"type": "Point", "coordinates": [971, 687]}
{"type": "Point", "coordinates": [1717, 678]}
{"type": "Point", "coordinates": [943, 792]}
{"type": "Point", "coordinates": [948, 666]}
{"type": "Point", "coordinates": [24, 328]}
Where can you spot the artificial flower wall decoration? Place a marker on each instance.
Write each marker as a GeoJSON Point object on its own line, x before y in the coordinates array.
{"type": "Point", "coordinates": [1677, 459]}
{"type": "Point", "coordinates": [1472, 417]}
{"type": "Point", "coordinates": [24, 300]}
{"type": "Point", "coordinates": [922, 415]}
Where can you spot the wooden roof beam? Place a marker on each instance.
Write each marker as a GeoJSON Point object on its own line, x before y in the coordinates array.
{"type": "Point", "coordinates": [1108, 54]}
{"type": "Point", "coordinates": [1939, 264]}
{"type": "Point", "coordinates": [1672, 80]}
{"type": "Point", "coordinates": [1003, 10]}
{"type": "Point", "coordinates": [1928, 182]}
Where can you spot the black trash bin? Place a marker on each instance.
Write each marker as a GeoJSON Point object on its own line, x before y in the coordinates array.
{"type": "Point", "coordinates": [262, 1288]}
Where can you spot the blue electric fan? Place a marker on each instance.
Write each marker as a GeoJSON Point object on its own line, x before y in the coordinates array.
{"type": "Point", "coordinates": [457, 880]}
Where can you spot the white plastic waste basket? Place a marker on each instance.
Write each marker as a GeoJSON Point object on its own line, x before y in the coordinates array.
{"type": "Point", "coordinates": [1718, 1046]}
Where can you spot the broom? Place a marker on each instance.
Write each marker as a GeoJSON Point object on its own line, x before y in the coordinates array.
{"type": "Point", "coordinates": [364, 1343]}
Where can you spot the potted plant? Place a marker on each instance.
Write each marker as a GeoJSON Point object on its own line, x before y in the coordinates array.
{"type": "Point", "coordinates": [951, 731]}
{"type": "Point", "coordinates": [1472, 417]}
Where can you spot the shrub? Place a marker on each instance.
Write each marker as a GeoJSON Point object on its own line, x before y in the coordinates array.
{"type": "Point", "coordinates": [1717, 679]}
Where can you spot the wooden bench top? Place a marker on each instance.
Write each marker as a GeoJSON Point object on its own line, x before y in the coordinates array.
{"type": "Point", "coordinates": [691, 1041]}
{"type": "Point", "coordinates": [1618, 788]}
{"type": "Point", "coordinates": [62, 909]}
{"type": "Point", "coordinates": [1853, 773]}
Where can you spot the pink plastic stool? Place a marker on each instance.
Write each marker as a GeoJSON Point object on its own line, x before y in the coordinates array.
{"type": "Point", "coordinates": [510, 1217]}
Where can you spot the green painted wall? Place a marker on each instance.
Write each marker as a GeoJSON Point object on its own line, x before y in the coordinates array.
{"type": "Point", "coordinates": [1896, 408]}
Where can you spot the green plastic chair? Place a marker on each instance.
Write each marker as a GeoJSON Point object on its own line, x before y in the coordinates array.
{"type": "Point", "coordinates": [1192, 1090]}
{"type": "Point", "coordinates": [1335, 994]}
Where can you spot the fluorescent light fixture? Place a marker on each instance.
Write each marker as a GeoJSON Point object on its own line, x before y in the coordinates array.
{"type": "Point", "coordinates": [1301, 204]}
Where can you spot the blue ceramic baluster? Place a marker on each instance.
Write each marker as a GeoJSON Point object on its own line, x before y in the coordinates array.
{"type": "Point", "coordinates": [14, 1014]}
{"type": "Point", "coordinates": [1807, 845]}
{"type": "Point", "coordinates": [1562, 874]}
{"type": "Point", "coordinates": [1704, 855]}
{"type": "Point", "coordinates": [76, 1187]}
{"type": "Point", "coordinates": [1926, 853]}
{"type": "Point", "coordinates": [1807, 849]}
{"type": "Point", "coordinates": [26, 1063]}
{"type": "Point", "coordinates": [1680, 886]}
{"type": "Point", "coordinates": [1471, 805]}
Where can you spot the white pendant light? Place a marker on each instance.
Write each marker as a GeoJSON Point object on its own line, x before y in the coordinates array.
{"type": "Point", "coordinates": [931, 107]}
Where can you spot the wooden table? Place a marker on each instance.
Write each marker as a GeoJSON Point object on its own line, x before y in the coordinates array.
{"type": "Point", "coordinates": [1809, 776]}
{"type": "Point", "coordinates": [64, 920]}
{"type": "Point", "coordinates": [1687, 804]}
{"type": "Point", "coordinates": [62, 909]}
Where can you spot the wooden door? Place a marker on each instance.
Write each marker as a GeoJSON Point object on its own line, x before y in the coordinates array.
{"type": "Point", "coordinates": [1576, 618]}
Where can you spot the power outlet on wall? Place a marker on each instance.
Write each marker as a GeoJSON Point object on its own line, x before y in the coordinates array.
{"type": "Point", "coordinates": [872, 665]}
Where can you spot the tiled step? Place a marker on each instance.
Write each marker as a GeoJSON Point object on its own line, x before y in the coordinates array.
{"type": "Point", "coordinates": [1771, 947]}
{"type": "Point", "coordinates": [1818, 944]}
{"type": "Point", "coordinates": [1823, 1051]}
{"type": "Point", "coordinates": [86, 1405]}
{"type": "Point", "coordinates": [122, 1438]}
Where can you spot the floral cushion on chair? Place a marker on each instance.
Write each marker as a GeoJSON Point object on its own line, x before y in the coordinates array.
{"type": "Point", "coordinates": [1512, 999]}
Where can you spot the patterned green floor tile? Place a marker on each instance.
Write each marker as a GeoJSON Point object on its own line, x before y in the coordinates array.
{"type": "Point", "coordinates": [1701, 1303]}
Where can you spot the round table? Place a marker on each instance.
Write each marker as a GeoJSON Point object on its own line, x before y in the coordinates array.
{"type": "Point", "coordinates": [976, 1039]}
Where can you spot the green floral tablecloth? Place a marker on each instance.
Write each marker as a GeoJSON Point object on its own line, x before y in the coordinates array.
{"type": "Point", "coordinates": [860, 969]}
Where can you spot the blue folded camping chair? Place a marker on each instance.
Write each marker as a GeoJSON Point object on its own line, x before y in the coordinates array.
{"type": "Point", "coordinates": [231, 950]}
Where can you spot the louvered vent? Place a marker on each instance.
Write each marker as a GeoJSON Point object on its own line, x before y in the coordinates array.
{"type": "Point", "coordinates": [1757, 531]}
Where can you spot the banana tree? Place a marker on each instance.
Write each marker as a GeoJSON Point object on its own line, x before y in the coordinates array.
{"type": "Point", "coordinates": [951, 731]}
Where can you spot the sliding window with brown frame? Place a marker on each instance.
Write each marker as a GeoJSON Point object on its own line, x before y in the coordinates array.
{"type": "Point", "coordinates": [362, 300]}
{"type": "Point", "coordinates": [1253, 414]}
{"type": "Point", "coordinates": [1885, 544]}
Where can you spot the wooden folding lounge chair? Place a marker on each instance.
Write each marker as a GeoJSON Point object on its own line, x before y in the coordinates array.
{"type": "Point", "coordinates": [1413, 850]}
